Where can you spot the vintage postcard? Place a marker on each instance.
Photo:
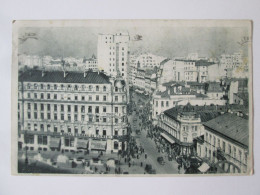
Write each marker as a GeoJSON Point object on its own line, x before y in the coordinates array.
{"type": "Point", "coordinates": [132, 97]}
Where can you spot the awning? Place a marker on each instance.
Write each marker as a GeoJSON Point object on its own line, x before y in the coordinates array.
{"type": "Point", "coordinates": [204, 167]}
{"type": "Point", "coordinates": [168, 138]}
{"type": "Point", "coordinates": [98, 145]}
{"type": "Point", "coordinates": [54, 142]}
{"type": "Point", "coordinates": [82, 144]}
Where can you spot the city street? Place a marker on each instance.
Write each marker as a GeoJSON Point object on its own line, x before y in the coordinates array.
{"type": "Point", "coordinates": [170, 167]}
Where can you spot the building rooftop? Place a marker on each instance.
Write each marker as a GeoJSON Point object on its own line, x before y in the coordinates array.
{"type": "Point", "coordinates": [230, 126]}
{"type": "Point", "coordinates": [197, 62]}
{"type": "Point", "coordinates": [206, 113]}
{"type": "Point", "coordinates": [214, 87]}
{"type": "Point", "coordinates": [58, 77]}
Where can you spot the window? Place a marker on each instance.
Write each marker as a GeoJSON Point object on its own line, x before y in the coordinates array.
{"type": "Point", "coordinates": [69, 129]}
{"type": "Point", "coordinates": [55, 107]}
{"type": "Point", "coordinates": [185, 139]}
{"type": "Point", "coordinates": [97, 109]}
{"type": "Point", "coordinates": [29, 139]}
{"type": "Point", "coordinates": [35, 106]}
{"type": "Point", "coordinates": [104, 109]}
{"type": "Point", "coordinates": [29, 115]}
{"type": "Point", "coordinates": [35, 127]}
{"type": "Point", "coordinates": [90, 118]}
{"type": "Point", "coordinates": [55, 116]}
{"type": "Point", "coordinates": [42, 127]}
{"type": "Point", "coordinates": [214, 140]}
{"type": "Point", "coordinates": [116, 120]}
{"type": "Point", "coordinates": [35, 115]}
{"type": "Point", "coordinates": [97, 88]}
{"type": "Point", "coordinates": [116, 109]}
{"type": "Point", "coordinates": [76, 97]}
{"type": "Point", "coordinates": [218, 142]}
{"type": "Point", "coordinates": [35, 95]}
{"type": "Point", "coordinates": [97, 97]}
{"type": "Point", "coordinates": [42, 86]}
{"type": "Point", "coordinates": [235, 152]}
{"type": "Point", "coordinates": [167, 103]}
{"type": "Point", "coordinates": [48, 116]}
{"type": "Point", "coordinates": [69, 98]}
{"type": "Point", "coordinates": [48, 107]}
{"type": "Point", "coordinates": [55, 86]}
{"type": "Point", "coordinates": [76, 130]}
{"type": "Point", "coordinates": [62, 117]}
{"type": "Point", "coordinates": [48, 86]}
{"type": "Point", "coordinates": [116, 98]}
{"type": "Point", "coordinates": [75, 108]}
{"type": "Point", "coordinates": [104, 98]}
{"type": "Point", "coordinates": [42, 115]}
{"type": "Point", "coordinates": [76, 88]}
{"type": "Point", "coordinates": [82, 117]}
{"type": "Point", "coordinates": [116, 132]}
{"type": "Point", "coordinates": [75, 117]}
{"type": "Point", "coordinates": [229, 149]}
{"type": "Point", "coordinates": [156, 103]}
{"type": "Point", "coordinates": [55, 129]}
{"type": "Point", "coordinates": [97, 131]}
{"type": "Point", "coordinates": [42, 96]}
{"type": "Point", "coordinates": [29, 106]}
{"type": "Point", "coordinates": [104, 88]}
{"type": "Point", "coordinates": [69, 117]}
{"type": "Point", "coordinates": [83, 98]}
{"type": "Point", "coordinates": [90, 109]}
{"type": "Point", "coordinates": [48, 96]}
{"type": "Point", "coordinates": [90, 98]}
{"type": "Point", "coordinates": [69, 141]}
{"type": "Point", "coordinates": [55, 96]}
{"type": "Point", "coordinates": [62, 108]}
{"type": "Point", "coordinates": [83, 109]}
{"type": "Point", "coordinates": [42, 140]}
{"type": "Point", "coordinates": [69, 108]}
{"type": "Point", "coordinates": [104, 132]}
{"type": "Point", "coordinates": [97, 118]}
{"type": "Point", "coordinates": [224, 146]}
{"type": "Point", "coordinates": [104, 120]}
{"type": "Point", "coordinates": [162, 103]}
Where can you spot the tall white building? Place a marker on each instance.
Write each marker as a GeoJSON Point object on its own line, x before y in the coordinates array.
{"type": "Point", "coordinates": [113, 54]}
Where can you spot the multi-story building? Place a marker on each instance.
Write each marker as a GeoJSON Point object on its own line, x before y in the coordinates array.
{"type": "Point", "coordinates": [226, 143]}
{"type": "Point", "coordinates": [148, 61]}
{"type": "Point", "coordinates": [180, 93]}
{"type": "Point", "coordinates": [180, 125]}
{"type": "Point", "coordinates": [113, 54]}
{"type": "Point", "coordinates": [90, 63]}
{"type": "Point", "coordinates": [65, 110]}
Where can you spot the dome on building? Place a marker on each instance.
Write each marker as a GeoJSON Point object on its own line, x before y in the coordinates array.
{"type": "Point", "coordinates": [119, 84]}
{"type": "Point", "coordinates": [188, 108]}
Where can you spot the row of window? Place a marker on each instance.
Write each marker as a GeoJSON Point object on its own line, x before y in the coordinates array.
{"type": "Point", "coordinates": [51, 96]}
{"type": "Point", "coordinates": [64, 87]}
{"type": "Point", "coordinates": [69, 129]}
{"type": "Point", "coordinates": [227, 148]}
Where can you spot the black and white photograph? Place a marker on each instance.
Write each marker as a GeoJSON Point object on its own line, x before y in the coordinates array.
{"type": "Point", "coordinates": [132, 97]}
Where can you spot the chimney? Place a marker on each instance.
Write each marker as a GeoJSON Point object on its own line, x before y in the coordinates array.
{"type": "Point", "coordinates": [65, 74]}
{"type": "Point", "coordinates": [85, 74]}
{"type": "Point", "coordinates": [43, 73]}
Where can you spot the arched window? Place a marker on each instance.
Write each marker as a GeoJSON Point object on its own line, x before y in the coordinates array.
{"type": "Point", "coordinates": [35, 86]}
{"type": "Point", "coordinates": [28, 86]}
{"type": "Point", "coordinates": [116, 145]}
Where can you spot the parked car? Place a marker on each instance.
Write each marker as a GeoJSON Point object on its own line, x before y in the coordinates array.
{"type": "Point", "coordinates": [160, 160]}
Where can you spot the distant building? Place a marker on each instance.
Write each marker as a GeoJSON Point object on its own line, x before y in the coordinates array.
{"type": "Point", "coordinates": [70, 111]}
{"type": "Point", "coordinates": [214, 90]}
{"type": "Point", "coordinates": [90, 63]}
{"type": "Point", "coordinates": [225, 143]}
{"type": "Point", "coordinates": [113, 54]}
{"type": "Point", "coordinates": [148, 61]}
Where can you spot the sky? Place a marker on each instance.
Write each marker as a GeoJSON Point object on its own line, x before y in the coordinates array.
{"type": "Point", "coordinates": [168, 41]}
